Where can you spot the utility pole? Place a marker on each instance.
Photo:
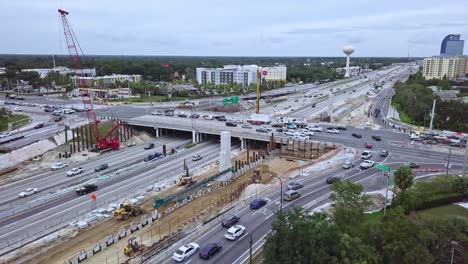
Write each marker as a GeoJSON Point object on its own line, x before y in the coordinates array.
{"type": "Point", "coordinates": [257, 101]}
{"type": "Point", "coordinates": [250, 248]}
{"type": "Point", "coordinates": [453, 243]}
{"type": "Point", "coordinates": [466, 156]}
{"type": "Point", "coordinates": [448, 162]}
{"type": "Point", "coordinates": [432, 115]}
{"type": "Point", "coordinates": [387, 176]}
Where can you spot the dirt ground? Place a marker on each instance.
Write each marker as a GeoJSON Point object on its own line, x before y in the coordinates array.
{"type": "Point", "coordinates": [358, 116]}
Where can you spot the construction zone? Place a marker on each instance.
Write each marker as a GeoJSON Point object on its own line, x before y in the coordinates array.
{"type": "Point", "coordinates": [139, 230]}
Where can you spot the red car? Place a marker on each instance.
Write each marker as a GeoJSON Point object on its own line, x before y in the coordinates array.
{"type": "Point", "coordinates": [368, 145]}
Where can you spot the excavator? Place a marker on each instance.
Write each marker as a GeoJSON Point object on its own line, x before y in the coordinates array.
{"type": "Point", "coordinates": [256, 176]}
{"type": "Point", "coordinates": [186, 180]}
{"type": "Point", "coordinates": [126, 210]}
{"type": "Point", "coordinates": [133, 248]}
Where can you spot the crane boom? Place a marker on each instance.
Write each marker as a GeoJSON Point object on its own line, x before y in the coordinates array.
{"type": "Point", "coordinates": [73, 45]}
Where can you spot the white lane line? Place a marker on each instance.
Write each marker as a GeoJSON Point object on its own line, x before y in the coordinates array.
{"type": "Point", "coordinates": [241, 256]}
{"type": "Point", "coordinates": [188, 262]}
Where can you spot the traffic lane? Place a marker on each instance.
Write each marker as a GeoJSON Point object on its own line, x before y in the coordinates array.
{"type": "Point", "coordinates": [32, 223]}
{"type": "Point", "coordinates": [51, 181]}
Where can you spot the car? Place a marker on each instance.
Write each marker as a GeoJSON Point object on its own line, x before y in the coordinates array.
{"type": "Point", "coordinates": [376, 138]}
{"type": "Point", "coordinates": [68, 111]}
{"type": "Point", "coordinates": [182, 114]}
{"type": "Point", "coordinates": [209, 250]}
{"type": "Point", "coordinates": [85, 189]}
{"type": "Point", "coordinates": [440, 137]}
{"type": "Point", "coordinates": [267, 128]}
{"type": "Point", "coordinates": [277, 125]}
{"type": "Point", "coordinates": [58, 166]}
{"type": "Point", "coordinates": [331, 180]}
{"type": "Point", "coordinates": [257, 203]}
{"type": "Point", "coordinates": [430, 142]}
{"type": "Point", "coordinates": [4, 135]}
{"type": "Point", "coordinates": [341, 127]}
{"type": "Point", "coordinates": [132, 144]}
{"type": "Point", "coordinates": [40, 125]}
{"type": "Point", "coordinates": [262, 130]}
{"type": "Point", "coordinates": [368, 145]}
{"type": "Point", "coordinates": [412, 165]}
{"type": "Point", "coordinates": [17, 109]}
{"type": "Point", "coordinates": [366, 154]}
{"type": "Point", "coordinates": [101, 167]}
{"type": "Point", "coordinates": [221, 118]}
{"type": "Point", "coordinates": [458, 144]}
{"type": "Point", "coordinates": [294, 185]}
{"type": "Point", "coordinates": [348, 165]}
{"type": "Point", "coordinates": [231, 124]}
{"type": "Point", "coordinates": [149, 146]}
{"type": "Point", "coordinates": [194, 116]}
{"type": "Point", "coordinates": [48, 110]}
{"type": "Point", "coordinates": [56, 113]}
{"type": "Point", "coordinates": [279, 130]}
{"type": "Point", "coordinates": [157, 113]}
{"type": "Point", "coordinates": [291, 195]}
{"type": "Point", "coordinates": [229, 220]}
{"type": "Point", "coordinates": [28, 192]}
{"type": "Point", "coordinates": [366, 164]}
{"type": "Point", "coordinates": [356, 135]}
{"type": "Point", "coordinates": [208, 117]}
{"type": "Point", "coordinates": [154, 156]}
{"type": "Point", "coordinates": [314, 105]}
{"type": "Point", "coordinates": [333, 131]}
{"type": "Point", "coordinates": [185, 252]}
{"type": "Point", "coordinates": [291, 126]}
{"type": "Point", "coordinates": [235, 232]}
{"type": "Point", "coordinates": [384, 153]}
{"type": "Point", "coordinates": [74, 171]}
{"type": "Point", "coordinates": [247, 126]}
{"type": "Point", "coordinates": [315, 129]}
{"type": "Point", "coordinates": [57, 119]}
{"type": "Point", "coordinates": [197, 157]}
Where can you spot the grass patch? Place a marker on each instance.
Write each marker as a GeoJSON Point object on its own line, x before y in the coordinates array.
{"type": "Point", "coordinates": [445, 211]}
{"type": "Point", "coordinates": [403, 116]}
{"type": "Point", "coordinates": [150, 99]}
{"type": "Point", "coordinates": [15, 119]}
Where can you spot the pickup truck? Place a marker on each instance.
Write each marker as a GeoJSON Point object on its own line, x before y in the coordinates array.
{"type": "Point", "coordinates": [366, 164]}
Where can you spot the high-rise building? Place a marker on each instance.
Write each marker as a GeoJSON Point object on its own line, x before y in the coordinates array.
{"type": "Point", "coordinates": [439, 67]}
{"type": "Point", "coordinates": [452, 45]}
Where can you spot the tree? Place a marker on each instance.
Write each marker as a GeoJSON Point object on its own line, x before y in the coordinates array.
{"type": "Point", "coordinates": [297, 237]}
{"type": "Point", "coordinates": [349, 203]}
{"type": "Point", "coordinates": [461, 186]}
{"type": "Point", "coordinates": [404, 178]}
{"type": "Point", "coordinates": [355, 251]}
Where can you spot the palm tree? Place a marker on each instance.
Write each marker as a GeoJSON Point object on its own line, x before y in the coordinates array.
{"type": "Point", "coordinates": [404, 178]}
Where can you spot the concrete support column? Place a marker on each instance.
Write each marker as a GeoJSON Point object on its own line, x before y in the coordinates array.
{"type": "Point", "coordinates": [194, 137]}
{"type": "Point", "coordinates": [242, 143]}
{"type": "Point", "coordinates": [158, 132]}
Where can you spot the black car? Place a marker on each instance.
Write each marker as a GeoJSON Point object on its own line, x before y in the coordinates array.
{"type": "Point", "coordinates": [229, 220]}
{"type": "Point", "coordinates": [279, 130]}
{"type": "Point", "coordinates": [222, 119]}
{"type": "Point", "coordinates": [331, 127]}
{"type": "Point", "coordinates": [413, 165]}
{"type": "Point", "coordinates": [376, 138]}
{"type": "Point", "coordinates": [48, 110]}
{"type": "Point", "coordinates": [101, 167]}
{"type": "Point", "coordinates": [57, 119]}
{"type": "Point", "coordinates": [341, 127]}
{"type": "Point", "coordinates": [149, 146]}
{"type": "Point", "coordinates": [86, 189]}
{"type": "Point", "coordinates": [356, 135]}
{"type": "Point", "coordinates": [314, 105]}
{"type": "Point", "coordinates": [231, 124]}
{"type": "Point", "coordinates": [209, 250]}
{"type": "Point", "coordinates": [40, 125]}
{"type": "Point", "coordinates": [331, 180]}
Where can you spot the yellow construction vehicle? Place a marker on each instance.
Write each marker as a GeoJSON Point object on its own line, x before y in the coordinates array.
{"type": "Point", "coordinates": [256, 176]}
{"type": "Point", "coordinates": [133, 248]}
{"type": "Point", "coordinates": [186, 179]}
{"type": "Point", "coordinates": [126, 210]}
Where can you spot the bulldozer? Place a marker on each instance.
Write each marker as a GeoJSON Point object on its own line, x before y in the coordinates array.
{"type": "Point", "coordinates": [186, 180]}
{"type": "Point", "coordinates": [133, 248]}
{"type": "Point", "coordinates": [126, 210]}
{"type": "Point", "coordinates": [256, 176]}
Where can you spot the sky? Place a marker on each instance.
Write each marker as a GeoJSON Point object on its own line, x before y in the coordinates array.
{"type": "Point", "coordinates": [376, 28]}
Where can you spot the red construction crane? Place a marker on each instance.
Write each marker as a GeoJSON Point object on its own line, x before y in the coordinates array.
{"type": "Point", "coordinates": [104, 142]}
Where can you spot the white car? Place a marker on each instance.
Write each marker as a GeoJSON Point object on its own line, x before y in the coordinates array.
{"type": "Point", "coordinates": [58, 166]}
{"type": "Point", "coordinates": [366, 164]}
{"type": "Point", "coordinates": [58, 111]}
{"type": "Point", "coordinates": [440, 137]}
{"type": "Point", "coordinates": [68, 111]}
{"type": "Point", "coordinates": [234, 232]}
{"type": "Point", "coordinates": [208, 117]}
{"type": "Point", "coordinates": [75, 171]}
{"type": "Point", "coordinates": [4, 135]}
{"type": "Point", "coordinates": [267, 128]}
{"type": "Point", "coordinates": [333, 131]}
{"type": "Point", "coordinates": [366, 154]}
{"type": "Point", "coordinates": [18, 109]}
{"type": "Point", "coordinates": [28, 192]}
{"type": "Point", "coordinates": [315, 129]}
{"type": "Point", "coordinates": [185, 252]}
{"type": "Point", "coordinates": [157, 113]}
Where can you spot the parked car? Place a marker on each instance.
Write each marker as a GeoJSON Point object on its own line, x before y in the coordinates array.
{"type": "Point", "coordinates": [331, 180]}
{"type": "Point", "coordinates": [314, 105]}
{"type": "Point", "coordinates": [149, 146]}
{"type": "Point", "coordinates": [348, 165]}
{"type": "Point", "coordinates": [197, 157]}
{"type": "Point", "coordinates": [412, 165]}
{"type": "Point", "coordinates": [185, 252]}
{"type": "Point", "coordinates": [294, 185]}
{"type": "Point", "coordinates": [58, 166]}
{"type": "Point", "coordinates": [194, 116]}
{"type": "Point", "coordinates": [74, 171]}
{"type": "Point", "coordinates": [291, 195]}
{"type": "Point", "coordinates": [101, 167]}
{"type": "Point", "coordinates": [257, 203]}
{"type": "Point", "coordinates": [48, 110]}
{"type": "Point", "coordinates": [277, 125]}
{"type": "Point", "coordinates": [262, 130]}
{"type": "Point", "coordinates": [247, 126]}
{"type": "Point", "coordinates": [231, 124]}
{"type": "Point", "coordinates": [384, 153]}
{"type": "Point", "coordinates": [157, 113]}
{"type": "Point", "coordinates": [430, 142]}
{"type": "Point", "coordinates": [291, 126]}
{"type": "Point", "coordinates": [440, 137]}
{"type": "Point", "coordinates": [235, 232]}
{"type": "Point", "coordinates": [28, 192]}
{"type": "Point", "coordinates": [356, 135]}
{"type": "Point", "coordinates": [333, 131]}
{"type": "Point", "coordinates": [315, 129]}
{"type": "Point", "coordinates": [182, 114]}
{"type": "Point", "coordinates": [366, 154]}
{"type": "Point", "coordinates": [68, 111]}
{"type": "Point", "coordinates": [366, 164]}
{"type": "Point", "coordinates": [57, 119]}
{"type": "Point", "coordinates": [85, 189]}
{"type": "Point", "coordinates": [229, 220]}
{"type": "Point", "coordinates": [208, 117]}
{"type": "Point", "coordinates": [209, 250]}
{"type": "Point", "coordinates": [341, 127]}
{"type": "Point", "coordinates": [376, 138]}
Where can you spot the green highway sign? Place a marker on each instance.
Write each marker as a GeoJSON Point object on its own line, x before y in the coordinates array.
{"type": "Point", "coordinates": [225, 101]}
{"type": "Point", "coordinates": [383, 168]}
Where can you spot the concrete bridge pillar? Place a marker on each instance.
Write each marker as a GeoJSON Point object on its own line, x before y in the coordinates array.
{"type": "Point", "coordinates": [242, 143]}
{"type": "Point", "coordinates": [158, 132]}
{"type": "Point", "coordinates": [194, 137]}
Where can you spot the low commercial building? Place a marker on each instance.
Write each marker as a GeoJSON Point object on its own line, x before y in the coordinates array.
{"type": "Point", "coordinates": [62, 70]}
{"type": "Point", "coordinates": [439, 67]}
{"type": "Point", "coordinates": [105, 80]}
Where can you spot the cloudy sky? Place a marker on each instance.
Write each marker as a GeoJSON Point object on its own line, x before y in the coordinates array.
{"type": "Point", "coordinates": [234, 28]}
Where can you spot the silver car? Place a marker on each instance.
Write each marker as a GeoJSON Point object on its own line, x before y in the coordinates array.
{"type": "Point", "coordinates": [348, 165]}
{"type": "Point", "coordinates": [295, 185]}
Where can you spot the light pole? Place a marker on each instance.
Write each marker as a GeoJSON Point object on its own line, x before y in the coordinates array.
{"type": "Point", "coordinates": [466, 156]}
{"type": "Point", "coordinates": [281, 191]}
{"type": "Point", "coordinates": [250, 248]}
{"type": "Point", "coordinates": [453, 243]}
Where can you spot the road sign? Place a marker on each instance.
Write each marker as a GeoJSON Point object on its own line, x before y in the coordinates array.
{"type": "Point", "coordinates": [301, 162]}
{"type": "Point", "coordinates": [265, 73]}
{"type": "Point", "coordinates": [93, 197]}
{"type": "Point", "coordinates": [225, 101]}
{"type": "Point", "coordinates": [235, 100]}
{"type": "Point", "coordinates": [383, 168]}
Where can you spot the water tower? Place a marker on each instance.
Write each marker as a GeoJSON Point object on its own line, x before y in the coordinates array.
{"type": "Point", "coordinates": [348, 50]}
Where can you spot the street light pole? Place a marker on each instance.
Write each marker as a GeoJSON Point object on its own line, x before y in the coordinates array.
{"type": "Point", "coordinates": [448, 162]}
{"type": "Point", "coordinates": [466, 156]}
{"type": "Point", "coordinates": [281, 192]}
{"type": "Point", "coordinates": [453, 243]}
{"type": "Point", "coordinates": [250, 248]}
{"type": "Point", "coordinates": [386, 194]}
